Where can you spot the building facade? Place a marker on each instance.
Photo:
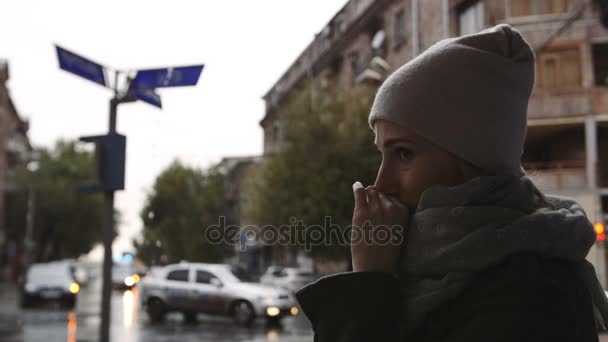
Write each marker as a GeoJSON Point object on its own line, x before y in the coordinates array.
{"type": "Point", "coordinates": [566, 148]}
{"type": "Point", "coordinates": [14, 153]}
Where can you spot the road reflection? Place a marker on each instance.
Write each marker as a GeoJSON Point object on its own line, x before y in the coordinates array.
{"type": "Point", "coordinates": [129, 307]}
{"type": "Point", "coordinates": [129, 325]}
{"type": "Point", "coordinates": [272, 335]}
{"type": "Point", "coordinates": [72, 324]}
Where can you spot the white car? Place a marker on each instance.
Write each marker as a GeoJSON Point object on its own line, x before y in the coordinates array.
{"type": "Point", "coordinates": [289, 278]}
{"type": "Point", "coordinates": [124, 276]}
{"type": "Point", "coordinates": [49, 282]}
{"type": "Point", "coordinates": [218, 289]}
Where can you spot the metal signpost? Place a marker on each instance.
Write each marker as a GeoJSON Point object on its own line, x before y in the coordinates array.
{"type": "Point", "coordinates": [110, 148]}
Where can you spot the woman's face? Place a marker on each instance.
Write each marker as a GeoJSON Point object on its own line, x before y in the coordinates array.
{"type": "Point", "coordinates": [411, 164]}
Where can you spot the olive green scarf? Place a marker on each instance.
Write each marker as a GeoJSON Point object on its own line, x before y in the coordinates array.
{"type": "Point", "coordinates": [459, 231]}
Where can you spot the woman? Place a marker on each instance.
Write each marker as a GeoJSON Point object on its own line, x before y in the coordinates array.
{"type": "Point", "coordinates": [486, 256]}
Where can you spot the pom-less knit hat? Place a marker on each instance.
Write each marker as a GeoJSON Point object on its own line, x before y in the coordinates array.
{"type": "Point", "coordinates": [468, 95]}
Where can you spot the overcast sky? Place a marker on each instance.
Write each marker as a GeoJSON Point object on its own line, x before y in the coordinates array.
{"type": "Point", "coordinates": [246, 46]}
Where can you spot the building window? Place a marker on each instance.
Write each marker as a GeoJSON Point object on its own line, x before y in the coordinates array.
{"type": "Point", "coordinates": [521, 8]}
{"type": "Point", "coordinates": [560, 69]}
{"type": "Point", "coordinates": [358, 5]}
{"type": "Point", "coordinates": [400, 34]}
{"type": "Point", "coordinates": [278, 133]}
{"type": "Point", "coordinates": [472, 18]}
{"type": "Point", "coordinates": [340, 23]}
{"type": "Point", "coordinates": [600, 64]}
{"type": "Point", "coordinates": [355, 63]}
{"type": "Point", "coordinates": [326, 38]}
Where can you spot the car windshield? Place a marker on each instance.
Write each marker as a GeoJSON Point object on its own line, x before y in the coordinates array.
{"type": "Point", "coordinates": [48, 272]}
{"type": "Point", "coordinates": [123, 270]}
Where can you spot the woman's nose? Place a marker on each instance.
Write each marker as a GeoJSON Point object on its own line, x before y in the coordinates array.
{"type": "Point", "coordinates": [384, 182]}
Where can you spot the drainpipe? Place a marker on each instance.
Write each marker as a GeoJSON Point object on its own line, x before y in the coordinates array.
{"type": "Point", "coordinates": [415, 28]}
{"type": "Point", "coordinates": [591, 152]}
{"type": "Point", "coordinates": [446, 18]}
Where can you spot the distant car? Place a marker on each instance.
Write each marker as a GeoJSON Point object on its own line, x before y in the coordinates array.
{"type": "Point", "coordinates": [49, 282]}
{"type": "Point", "coordinates": [191, 288]}
{"type": "Point", "coordinates": [289, 278]}
{"type": "Point", "coordinates": [124, 276]}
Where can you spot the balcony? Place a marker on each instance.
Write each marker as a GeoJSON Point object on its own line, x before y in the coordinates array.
{"type": "Point", "coordinates": [558, 175]}
{"type": "Point", "coordinates": [560, 103]}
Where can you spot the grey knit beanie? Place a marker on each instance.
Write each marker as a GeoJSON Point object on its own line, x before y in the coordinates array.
{"type": "Point", "coordinates": [468, 95]}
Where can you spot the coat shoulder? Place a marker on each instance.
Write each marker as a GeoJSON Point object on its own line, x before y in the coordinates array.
{"type": "Point", "coordinates": [526, 295]}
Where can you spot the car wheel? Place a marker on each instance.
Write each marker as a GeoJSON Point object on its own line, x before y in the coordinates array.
{"type": "Point", "coordinates": [242, 313]}
{"type": "Point", "coordinates": [190, 317]}
{"type": "Point", "coordinates": [156, 310]}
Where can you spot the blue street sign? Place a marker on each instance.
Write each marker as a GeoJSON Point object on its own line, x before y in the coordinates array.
{"type": "Point", "coordinates": [168, 77]}
{"type": "Point", "coordinates": [81, 66]}
{"type": "Point", "coordinates": [148, 96]}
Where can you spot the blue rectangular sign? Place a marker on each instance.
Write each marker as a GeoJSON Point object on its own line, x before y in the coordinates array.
{"type": "Point", "coordinates": [81, 66]}
{"type": "Point", "coordinates": [168, 77]}
{"type": "Point", "coordinates": [148, 96]}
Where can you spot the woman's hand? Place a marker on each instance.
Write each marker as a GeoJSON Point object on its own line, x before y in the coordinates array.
{"type": "Point", "coordinates": [378, 230]}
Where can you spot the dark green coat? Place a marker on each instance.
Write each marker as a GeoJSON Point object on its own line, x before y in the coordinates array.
{"type": "Point", "coordinates": [523, 299]}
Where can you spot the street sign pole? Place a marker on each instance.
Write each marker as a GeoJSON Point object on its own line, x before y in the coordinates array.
{"type": "Point", "coordinates": [108, 232]}
{"type": "Point", "coordinates": [108, 229]}
{"type": "Point", "coordinates": [142, 88]}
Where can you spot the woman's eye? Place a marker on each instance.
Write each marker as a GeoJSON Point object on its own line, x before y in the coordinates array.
{"type": "Point", "coordinates": [405, 154]}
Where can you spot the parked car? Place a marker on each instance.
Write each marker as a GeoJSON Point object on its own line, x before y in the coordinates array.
{"type": "Point", "coordinates": [49, 282]}
{"type": "Point", "coordinates": [191, 288]}
{"type": "Point", "coordinates": [289, 278]}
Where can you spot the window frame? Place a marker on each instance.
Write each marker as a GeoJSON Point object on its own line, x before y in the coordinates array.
{"type": "Point", "coordinates": [595, 65]}
{"type": "Point", "coordinates": [355, 64]}
{"type": "Point", "coordinates": [528, 6]}
{"type": "Point", "coordinates": [398, 40]}
{"type": "Point", "coordinates": [556, 52]}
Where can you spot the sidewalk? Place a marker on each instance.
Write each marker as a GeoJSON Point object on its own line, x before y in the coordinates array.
{"type": "Point", "coordinates": [10, 322]}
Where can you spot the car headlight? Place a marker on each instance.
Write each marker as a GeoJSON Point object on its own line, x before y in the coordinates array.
{"type": "Point", "coordinates": [74, 288]}
{"type": "Point", "coordinates": [273, 311]}
{"type": "Point", "coordinates": [30, 288]}
{"type": "Point", "coordinates": [129, 281]}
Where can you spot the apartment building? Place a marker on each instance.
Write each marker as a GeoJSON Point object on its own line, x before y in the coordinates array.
{"type": "Point", "coordinates": [566, 149]}
{"type": "Point", "coordinates": [14, 152]}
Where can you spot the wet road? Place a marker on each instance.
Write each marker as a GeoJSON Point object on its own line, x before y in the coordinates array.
{"type": "Point", "coordinates": [129, 323]}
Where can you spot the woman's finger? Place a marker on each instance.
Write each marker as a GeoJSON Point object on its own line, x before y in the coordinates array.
{"type": "Point", "coordinates": [385, 201]}
{"type": "Point", "coordinates": [372, 198]}
{"type": "Point", "coordinates": [360, 196]}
